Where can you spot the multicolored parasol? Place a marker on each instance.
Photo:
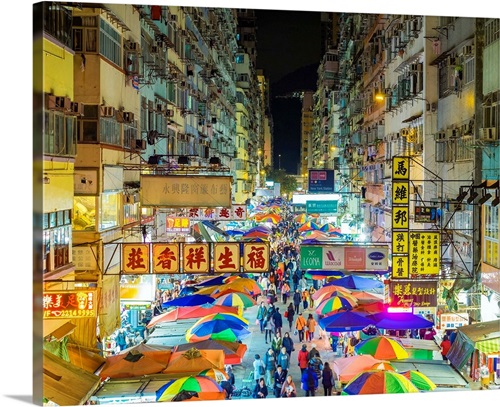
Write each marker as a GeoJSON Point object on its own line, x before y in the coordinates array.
{"type": "Point", "coordinates": [205, 388]}
{"type": "Point", "coordinates": [336, 301]}
{"type": "Point", "coordinates": [225, 317]}
{"type": "Point", "coordinates": [421, 381]}
{"type": "Point", "coordinates": [216, 374]}
{"type": "Point", "coordinates": [236, 299]}
{"type": "Point", "coordinates": [379, 382]}
{"type": "Point", "coordinates": [217, 329]}
{"type": "Point", "coordinates": [382, 347]}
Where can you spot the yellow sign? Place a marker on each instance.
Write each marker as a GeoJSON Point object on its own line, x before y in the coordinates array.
{"type": "Point", "coordinates": [401, 168]}
{"type": "Point", "coordinates": [135, 258]}
{"type": "Point", "coordinates": [400, 217]}
{"type": "Point", "coordinates": [425, 252]}
{"type": "Point", "coordinates": [400, 267]}
{"type": "Point", "coordinates": [400, 242]}
{"type": "Point", "coordinates": [400, 195]}
{"type": "Point", "coordinates": [226, 257]}
{"type": "Point", "coordinates": [256, 257]}
{"type": "Point", "coordinates": [185, 191]}
{"type": "Point", "coordinates": [166, 258]}
{"type": "Point", "coordinates": [196, 258]}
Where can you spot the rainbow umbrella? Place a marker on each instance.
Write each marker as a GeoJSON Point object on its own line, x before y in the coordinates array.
{"type": "Point", "coordinates": [379, 382]}
{"type": "Point", "coordinates": [329, 228]}
{"type": "Point", "coordinates": [217, 329]}
{"type": "Point", "coordinates": [314, 234]}
{"type": "Point", "coordinates": [189, 300]}
{"type": "Point", "coordinates": [236, 299]}
{"type": "Point", "coordinates": [421, 381]}
{"type": "Point", "coordinates": [309, 226]}
{"type": "Point", "coordinates": [225, 317]}
{"type": "Point", "coordinates": [242, 284]}
{"type": "Point", "coordinates": [334, 293]}
{"type": "Point", "coordinates": [381, 347]}
{"type": "Point", "coordinates": [329, 288]}
{"type": "Point", "coordinates": [382, 366]}
{"type": "Point", "coordinates": [200, 387]}
{"type": "Point", "coordinates": [335, 302]}
{"type": "Point", "coordinates": [301, 218]}
{"type": "Point", "coordinates": [216, 374]}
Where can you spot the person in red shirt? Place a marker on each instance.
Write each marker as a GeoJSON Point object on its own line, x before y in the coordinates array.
{"type": "Point", "coordinates": [302, 358]}
{"type": "Point", "coordinates": [445, 346]}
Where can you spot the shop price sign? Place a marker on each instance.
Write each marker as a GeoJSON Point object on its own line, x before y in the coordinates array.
{"type": "Point", "coordinates": [166, 258]}
{"type": "Point", "coordinates": [256, 257]}
{"type": "Point", "coordinates": [425, 214]}
{"type": "Point", "coordinates": [452, 321]}
{"type": "Point", "coordinates": [226, 257]}
{"type": "Point", "coordinates": [425, 253]}
{"type": "Point", "coordinates": [135, 258]}
{"type": "Point", "coordinates": [413, 293]}
{"type": "Point", "coordinates": [196, 258]}
{"type": "Point", "coordinates": [70, 304]}
{"type": "Point", "coordinates": [400, 267]}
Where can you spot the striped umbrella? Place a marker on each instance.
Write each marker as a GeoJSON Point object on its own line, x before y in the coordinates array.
{"type": "Point", "coordinates": [329, 288]}
{"type": "Point", "coordinates": [382, 347]}
{"type": "Point", "coordinates": [199, 387]}
{"type": "Point", "coordinates": [236, 299]}
{"type": "Point", "coordinates": [216, 374]}
{"type": "Point", "coordinates": [421, 381]}
{"type": "Point", "coordinates": [379, 382]}
{"type": "Point", "coordinates": [334, 302]}
{"type": "Point", "coordinates": [217, 329]}
{"type": "Point", "coordinates": [225, 317]}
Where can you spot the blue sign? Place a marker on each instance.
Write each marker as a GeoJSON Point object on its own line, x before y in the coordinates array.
{"type": "Point", "coordinates": [321, 181]}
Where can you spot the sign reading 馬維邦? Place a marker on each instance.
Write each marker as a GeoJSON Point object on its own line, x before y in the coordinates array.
{"type": "Point", "coordinates": [70, 304]}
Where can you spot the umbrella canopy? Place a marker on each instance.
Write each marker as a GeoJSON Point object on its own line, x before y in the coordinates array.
{"type": "Point", "coordinates": [194, 360]}
{"type": "Point", "coordinates": [223, 290]}
{"type": "Point", "coordinates": [314, 234]}
{"type": "Point", "coordinates": [421, 381]}
{"type": "Point", "coordinates": [329, 288]}
{"type": "Point", "coordinates": [216, 374]}
{"type": "Point", "coordinates": [382, 366]}
{"type": "Point", "coordinates": [268, 217]}
{"type": "Point", "coordinates": [344, 321]}
{"type": "Point", "coordinates": [329, 228]}
{"type": "Point", "coordinates": [358, 283]}
{"type": "Point", "coordinates": [255, 234]}
{"type": "Point", "coordinates": [195, 299]}
{"type": "Point", "coordinates": [233, 351]}
{"type": "Point", "coordinates": [364, 297]}
{"type": "Point", "coordinates": [188, 290]}
{"type": "Point", "coordinates": [225, 317]}
{"type": "Point", "coordinates": [198, 387]}
{"type": "Point", "coordinates": [379, 382]}
{"type": "Point", "coordinates": [236, 299]}
{"type": "Point", "coordinates": [300, 218]}
{"type": "Point", "coordinates": [216, 329]}
{"type": "Point", "coordinates": [194, 311]}
{"type": "Point", "coordinates": [381, 347]}
{"type": "Point", "coordinates": [334, 302]}
{"type": "Point", "coordinates": [371, 308]}
{"type": "Point", "coordinates": [131, 364]}
{"type": "Point", "coordinates": [347, 368]}
{"type": "Point", "coordinates": [212, 281]}
{"type": "Point", "coordinates": [403, 320]}
{"type": "Point", "coordinates": [309, 226]}
{"type": "Point", "coordinates": [322, 274]}
{"type": "Point", "coordinates": [158, 352]}
{"type": "Point", "coordinates": [244, 284]}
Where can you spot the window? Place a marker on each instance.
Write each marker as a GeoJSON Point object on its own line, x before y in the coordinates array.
{"type": "Point", "coordinates": [109, 210]}
{"type": "Point", "coordinates": [240, 58]}
{"type": "Point", "coordinates": [130, 213]}
{"type": "Point", "coordinates": [491, 243]}
{"type": "Point", "coordinates": [491, 31]}
{"type": "Point", "coordinates": [59, 134]}
{"type": "Point", "coordinates": [57, 22]}
{"type": "Point", "coordinates": [56, 240]}
{"type": "Point", "coordinates": [109, 131]}
{"type": "Point", "coordinates": [448, 77]}
{"type": "Point", "coordinates": [469, 71]}
{"type": "Point", "coordinates": [110, 45]}
{"type": "Point", "coordinates": [85, 34]}
{"type": "Point", "coordinates": [84, 210]}
{"type": "Point", "coordinates": [130, 134]}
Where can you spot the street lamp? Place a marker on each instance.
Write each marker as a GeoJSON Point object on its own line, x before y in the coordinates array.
{"type": "Point", "coordinates": [279, 161]}
{"type": "Point", "coordinates": [429, 106]}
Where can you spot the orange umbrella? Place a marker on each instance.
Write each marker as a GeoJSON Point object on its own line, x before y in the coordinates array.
{"type": "Point", "coordinates": [195, 311]}
{"type": "Point", "coordinates": [132, 364]}
{"type": "Point", "coordinates": [364, 297]}
{"type": "Point", "coordinates": [382, 366]}
{"type": "Point", "coordinates": [328, 289]}
{"type": "Point", "coordinates": [348, 368]}
{"type": "Point", "coordinates": [194, 360]}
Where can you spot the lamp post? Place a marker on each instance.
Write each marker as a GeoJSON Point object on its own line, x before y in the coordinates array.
{"type": "Point", "coordinates": [279, 161]}
{"type": "Point", "coordinates": [259, 153]}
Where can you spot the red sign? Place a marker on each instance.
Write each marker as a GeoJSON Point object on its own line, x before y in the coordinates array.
{"type": "Point", "coordinates": [70, 304]}
{"type": "Point", "coordinates": [413, 293]}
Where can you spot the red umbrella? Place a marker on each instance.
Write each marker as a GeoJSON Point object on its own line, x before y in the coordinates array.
{"type": "Point", "coordinates": [195, 311]}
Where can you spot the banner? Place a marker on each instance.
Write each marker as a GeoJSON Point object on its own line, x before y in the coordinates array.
{"type": "Point", "coordinates": [70, 304]}
{"type": "Point", "coordinates": [413, 293]}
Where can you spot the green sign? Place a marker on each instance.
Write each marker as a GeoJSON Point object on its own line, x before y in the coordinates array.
{"type": "Point", "coordinates": [321, 206]}
{"type": "Point", "coordinates": [311, 257]}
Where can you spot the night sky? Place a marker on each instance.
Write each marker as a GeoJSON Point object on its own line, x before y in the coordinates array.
{"type": "Point", "coordinates": [286, 42]}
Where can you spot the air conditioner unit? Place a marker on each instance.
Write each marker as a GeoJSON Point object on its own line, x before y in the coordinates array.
{"type": "Point", "coordinates": [107, 111]}
{"type": "Point", "coordinates": [127, 117]}
{"type": "Point", "coordinates": [160, 108]}
{"type": "Point", "coordinates": [76, 107]}
{"type": "Point", "coordinates": [131, 45]}
{"type": "Point", "coordinates": [488, 134]}
{"type": "Point", "coordinates": [169, 113]}
{"type": "Point", "coordinates": [61, 103]}
{"type": "Point", "coordinates": [140, 144]}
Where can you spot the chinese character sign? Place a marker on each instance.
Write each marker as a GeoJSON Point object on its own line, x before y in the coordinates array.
{"type": "Point", "coordinates": [425, 252]}
{"type": "Point", "coordinates": [256, 257]}
{"type": "Point", "coordinates": [135, 258]}
{"type": "Point", "coordinates": [196, 258]}
{"type": "Point", "coordinates": [234, 212]}
{"type": "Point", "coordinates": [401, 168]}
{"type": "Point", "coordinates": [400, 217]}
{"type": "Point", "coordinates": [400, 242]}
{"type": "Point", "coordinates": [226, 257]}
{"type": "Point", "coordinates": [177, 225]}
{"type": "Point", "coordinates": [166, 258]}
{"type": "Point", "coordinates": [400, 266]}
{"type": "Point", "coordinates": [70, 304]}
{"type": "Point", "coordinates": [400, 195]}
{"type": "Point", "coordinates": [413, 293]}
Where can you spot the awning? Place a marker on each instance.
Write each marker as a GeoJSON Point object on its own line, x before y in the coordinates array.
{"type": "Point", "coordinates": [411, 118]}
{"type": "Point", "coordinates": [58, 328]}
{"type": "Point", "coordinates": [65, 384]}
{"type": "Point", "coordinates": [440, 58]}
{"type": "Point", "coordinates": [84, 358]}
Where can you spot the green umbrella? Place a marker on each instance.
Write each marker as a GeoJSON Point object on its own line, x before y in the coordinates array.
{"type": "Point", "coordinates": [379, 382]}
{"type": "Point", "coordinates": [421, 381]}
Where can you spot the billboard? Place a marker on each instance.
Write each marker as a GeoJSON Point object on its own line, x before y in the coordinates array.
{"type": "Point", "coordinates": [321, 181]}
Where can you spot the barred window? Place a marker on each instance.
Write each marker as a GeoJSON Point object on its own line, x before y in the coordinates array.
{"type": "Point", "coordinates": [59, 134]}
{"type": "Point", "coordinates": [110, 43]}
{"type": "Point", "coordinates": [130, 134]}
{"type": "Point", "coordinates": [469, 70]}
{"type": "Point", "coordinates": [109, 131]}
{"type": "Point", "coordinates": [491, 31]}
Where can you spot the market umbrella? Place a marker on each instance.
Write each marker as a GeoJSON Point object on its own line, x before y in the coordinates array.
{"type": "Point", "coordinates": [225, 317]}
{"type": "Point", "coordinates": [194, 311]}
{"type": "Point", "coordinates": [382, 366]}
{"type": "Point", "coordinates": [300, 218]}
{"type": "Point", "coordinates": [217, 329]}
{"type": "Point", "coordinates": [233, 351]}
{"type": "Point", "coordinates": [329, 288]}
{"type": "Point", "coordinates": [322, 274]}
{"type": "Point", "coordinates": [216, 374]}
{"type": "Point", "coordinates": [255, 234]}
{"type": "Point", "coordinates": [401, 320]}
{"type": "Point", "coordinates": [344, 321]}
{"type": "Point", "coordinates": [379, 382]}
{"type": "Point", "coordinates": [187, 290]}
{"type": "Point", "coordinates": [223, 290]}
{"type": "Point", "coordinates": [246, 283]}
{"type": "Point", "coordinates": [236, 299]}
{"type": "Point", "coordinates": [131, 364]}
{"type": "Point", "coordinates": [334, 293]}
{"type": "Point", "coordinates": [364, 297]}
{"type": "Point", "coordinates": [354, 282]}
{"type": "Point", "coordinates": [194, 299]}
{"type": "Point", "coordinates": [371, 308]}
{"type": "Point", "coordinates": [334, 302]}
{"type": "Point", "coordinates": [421, 381]}
{"type": "Point", "coordinates": [199, 388]}
{"type": "Point", "coordinates": [193, 360]}
{"type": "Point", "coordinates": [347, 368]}
{"type": "Point", "coordinates": [214, 281]}
{"type": "Point", "coordinates": [381, 347]}
{"type": "Point", "coordinates": [309, 226]}
{"type": "Point", "coordinates": [329, 228]}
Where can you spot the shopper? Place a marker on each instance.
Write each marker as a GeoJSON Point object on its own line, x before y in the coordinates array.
{"type": "Point", "coordinates": [259, 368]}
{"type": "Point", "coordinates": [300, 326]}
{"type": "Point", "coordinates": [279, 379]}
{"type": "Point", "coordinates": [278, 321]}
{"type": "Point", "coordinates": [288, 343]}
{"type": "Point", "coordinates": [309, 381]}
{"type": "Point", "coordinates": [311, 327]}
{"type": "Point", "coordinates": [327, 379]}
{"type": "Point", "coordinates": [288, 389]}
{"type": "Point", "coordinates": [269, 360]}
{"type": "Point", "coordinates": [290, 314]}
{"type": "Point", "coordinates": [302, 358]}
{"type": "Point", "coordinates": [268, 327]}
{"type": "Point", "coordinates": [260, 391]}
{"type": "Point", "coordinates": [283, 359]}
{"type": "Point", "coordinates": [297, 298]}
{"type": "Point", "coordinates": [277, 343]}
{"type": "Point", "coordinates": [261, 315]}
{"type": "Point", "coordinates": [445, 347]}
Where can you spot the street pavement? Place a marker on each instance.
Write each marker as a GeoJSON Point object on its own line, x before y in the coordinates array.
{"type": "Point", "coordinates": [256, 345]}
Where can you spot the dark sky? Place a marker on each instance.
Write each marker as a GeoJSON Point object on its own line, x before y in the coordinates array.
{"type": "Point", "coordinates": [286, 42]}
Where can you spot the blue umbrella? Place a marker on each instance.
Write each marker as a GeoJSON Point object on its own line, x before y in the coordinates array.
{"type": "Point", "coordinates": [189, 300]}
{"type": "Point", "coordinates": [357, 283]}
{"type": "Point", "coordinates": [188, 290]}
{"type": "Point", "coordinates": [401, 320]}
{"type": "Point", "coordinates": [213, 281]}
{"type": "Point", "coordinates": [345, 321]}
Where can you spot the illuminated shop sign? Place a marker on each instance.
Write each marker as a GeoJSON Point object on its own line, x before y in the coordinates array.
{"type": "Point", "coordinates": [70, 304]}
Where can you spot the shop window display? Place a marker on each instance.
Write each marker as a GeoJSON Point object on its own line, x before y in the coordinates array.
{"type": "Point", "coordinates": [84, 209]}
{"type": "Point", "coordinates": [109, 211]}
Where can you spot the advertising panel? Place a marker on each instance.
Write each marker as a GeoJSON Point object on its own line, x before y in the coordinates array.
{"type": "Point", "coordinates": [321, 181]}
{"type": "Point", "coordinates": [256, 257]}
{"type": "Point", "coordinates": [135, 258]}
{"type": "Point", "coordinates": [413, 293]}
{"type": "Point", "coordinates": [196, 258]}
{"type": "Point", "coordinates": [70, 304]}
{"type": "Point", "coordinates": [226, 257]}
{"type": "Point", "coordinates": [166, 258]}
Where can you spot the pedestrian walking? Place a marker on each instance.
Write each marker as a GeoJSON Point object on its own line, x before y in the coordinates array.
{"type": "Point", "coordinates": [261, 315]}
{"type": "Point", "coordinates": [289, 314]}
{"type": "Point", "coordinates": [302, 358]}
{"type": "Point", "coordinates": [327, 379]}
{"type": "Point", "coordinates": [288, 343]}
{"type": "Point", "coordinates": [283, 359]}
{"type": "Point", "coordinates": [277, 343]}
{"type": "Point", "coordinates": [300, 326]}
{"type": "Point", "coordinates": [317, 364]}
{"type": "Point", "coordinates": [309, 381]}
{"type": "Point", "coordinates": [268, 328]}
{"type": "Point", "coordinates": [279, 379]}
{"type": "Point", "coordinates": [297, 298]}
{"type": "Point", "coordinates": [259, 368]}
{"type": "Point", "coordinates": [285, 291]}
{"type": "Point", "coordinates": [288, 389]}
{"type": "Point", "coordinates": [311, 327]}
{"type": "Point", "coordinates": [269, 360]}
{"type": "Point", "coordinates": [278, 321]}
{"type": "Point", "coordinates": [445, 347]}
